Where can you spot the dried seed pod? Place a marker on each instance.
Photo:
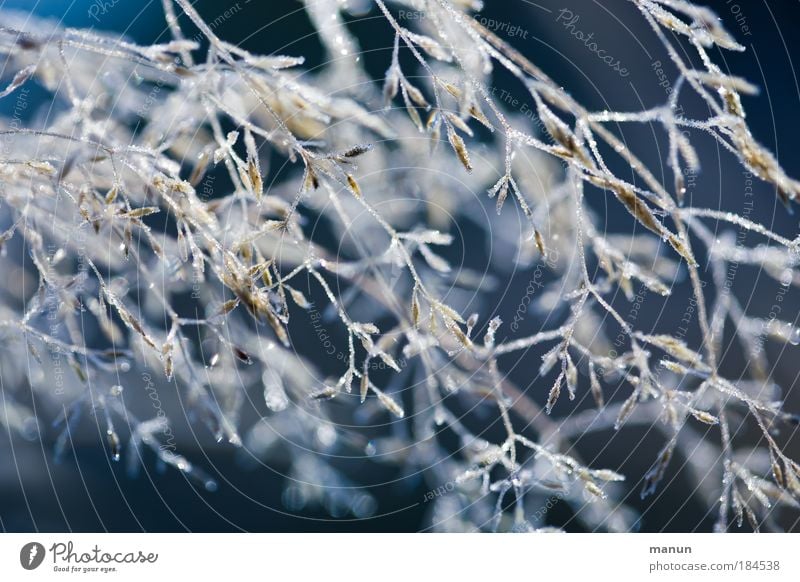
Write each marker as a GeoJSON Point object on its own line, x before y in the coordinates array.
{"type": "Point", "coordinates": [459, 335]}
{"type": "Point", "coordinates": [626, 410]}
{"type": "Point", "coordinates": [140, 212]}
{"type": "Point", "coordinates": [537, 237]}
{"type": "Point", "coordinates": [354, 187]}
{"type": "Point", "coordinates": [429, 45]}
{"type": "Point", "coordinates": [390, 405]}
{"type": "Point", "coordinates": [415, 95]}
{"type": "Point", "coordinates": [460, 148]}
{"type": "Point", "coordinates": [500, 189]}
{"type": "Point", "coordinates": [607, 475]}
{"type": "Point", "coordinates": [299, 298]}
{"type": "Point", "coordinates": [597, 390]}
{"type": "Point", "coordinates": [448, 312]}
{"type": "Point", "coordinates": [415, 308]}
{"type": "Point", "coordinates": [592, 488]}
{"type": "Point", "coordinates": [778, 473]}
{"type": "Point", "coordinates": [571, 377]}
{"type": "Point", "coordinates": [242, 355]}
{"type": "Point", "coordinates": [19, 79]}
{"type": "Point", "coordinates": [391, 84]}
{"type": "Point", "coordinates": [704, 417]}
{"type": "Point", "coordinates": [310, 180]}
{"type": "Point", "coordinates": [357, 150]}
{"type": "Point", "coordinates": [325, 393]}
{"type": "Point", "coordinates": [450, 88]}
{"type": "Point", "coordinates": [659, 468]}
{"type": "Point", "coordinates": [458, 123]}
{"type": "Point", "coordinates": [476, 113]}
{"type": "Point", "coordinates": [112, 194]}
{"type": "Point", "coordinates": [364, 387]}
{"type": "Point", "coordinates": [555, 392]}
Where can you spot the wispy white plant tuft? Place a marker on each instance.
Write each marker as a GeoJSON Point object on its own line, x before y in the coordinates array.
{"type": "Point", "coordinates": [123, 264]}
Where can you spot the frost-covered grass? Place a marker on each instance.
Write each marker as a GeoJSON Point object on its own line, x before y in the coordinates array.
{"type": "Point", "coordinates": [125, 264]}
